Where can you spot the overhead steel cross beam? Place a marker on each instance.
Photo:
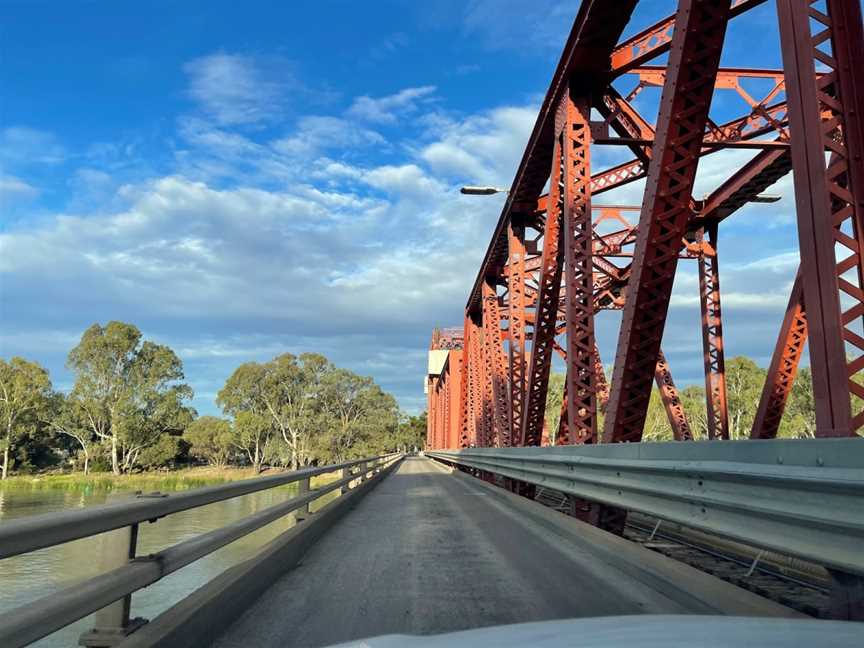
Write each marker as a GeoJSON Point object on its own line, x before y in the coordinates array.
{"type": "Point", "coordinates": [694, 58]}
{"type": "Point", "coordinates": [657, 39]}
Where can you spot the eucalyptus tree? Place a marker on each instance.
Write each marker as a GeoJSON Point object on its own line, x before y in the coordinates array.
{"type": "Point", "coordinates": [285, 392]}
{"type": "Point", "coordinates": [211, 438]}
{"type": "Point", "coordinates": [25, 393]}
{"type": "Point", "coordinates": [253, 435]}
{"type": "Point", "coordinates": [67, 417]}
{"type": "Point", "coordinates": [243, 398]}
{"type": "Point", "coordinates": [292, 393]}
{"type": "Point", "coordinates": [129, 390]}
{"type": "Point", "coordinates": [360, 417]}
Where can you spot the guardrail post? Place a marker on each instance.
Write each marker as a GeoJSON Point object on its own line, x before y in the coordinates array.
{"type": "Point", "coordinates": [364, 468]}
{"type": "Point", "coordinates": [346, 472]}
{"type": "Point", "coordinates": [112, 624]}
{"type": "Point", "coordinates": [303, 487]}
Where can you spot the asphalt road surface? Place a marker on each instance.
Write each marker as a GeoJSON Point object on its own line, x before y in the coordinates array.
{"type": "Point", "coordinates": [427, 552]}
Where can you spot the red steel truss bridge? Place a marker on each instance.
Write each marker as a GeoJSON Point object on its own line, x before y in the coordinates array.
{"type": "Point", "coordinates": [502, 522]}
{"type": "Point", "coordinates": [561, 253]}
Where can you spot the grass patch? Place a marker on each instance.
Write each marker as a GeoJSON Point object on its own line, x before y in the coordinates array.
{"type": "Point", "coordinates": [175, 480]}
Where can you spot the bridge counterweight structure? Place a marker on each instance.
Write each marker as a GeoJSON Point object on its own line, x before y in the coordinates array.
{"type": "Point", "coordinates": [557, 259]}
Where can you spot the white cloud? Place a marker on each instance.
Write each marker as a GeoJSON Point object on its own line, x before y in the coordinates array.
{"type": "Point", "coordinates": [15, 189]}
{"type": "Point", "coordinates": [512, 24]}
{"type": "Point", "coordinates": [386, 110]}
{"type": "Point", "coordinates": [233, 89]}
{"type": "Point", "coordinates": [21, 145]}
{"type": "Point", "coordinates": [484, 148]}
{"type": "Point", "coordinates": [317, 133]}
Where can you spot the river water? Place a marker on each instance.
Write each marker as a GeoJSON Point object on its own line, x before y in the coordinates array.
{"type": "Point", "coordinates": [28, 577]}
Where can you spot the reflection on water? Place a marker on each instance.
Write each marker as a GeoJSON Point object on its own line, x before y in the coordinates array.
{"type": "Point", "coordinates": [28, 577]}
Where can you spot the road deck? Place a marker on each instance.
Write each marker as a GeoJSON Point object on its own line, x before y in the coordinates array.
{"type": "Point", "coordinates": [429, 552]}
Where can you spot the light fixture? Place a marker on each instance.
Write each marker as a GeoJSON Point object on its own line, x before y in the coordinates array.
{"type": "Point", "coordinates": [765, 198]}
{"type": "Point", "coordinates": [482, 191]}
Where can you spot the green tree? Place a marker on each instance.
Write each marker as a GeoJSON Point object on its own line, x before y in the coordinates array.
{"type": "Point", "coordinates": [68, 418]}
{"type": "Point", "coordinates": [358, 415]}
{"type": "Point", "coordinates": [211, 438]}
{"type": "Point", "coordinates": [693, 401]}
{"type": "Point", "coordinates": [291, 395]}
{"type": "Point", "coordinates": [164, 453]}
{"type": "Point", "coordinates": [744, 381]}
{"type": "Point", "coordinates": [657, 427]}
{"type": "Point", "coordinates": [554, 398]}
{"type": "Point", "coordinates": [254, 436]}
{"type": "Point", "coordinates": [129, 390]}
{"type": "Point", "coordinates": [25, 392]}
{"type": "Point", "coordinates": [799, 417]}
{"type": "Point", "coordinates": [243, 398]}
{"type": "Point", "coordinates": [410, 434]}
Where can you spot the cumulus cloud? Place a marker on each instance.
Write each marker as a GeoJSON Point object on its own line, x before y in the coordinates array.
{"type": "Point", "coordinates": [317, 133]}
{"type": "Point", "coordinates": [387, 110]}
{"type": "Point", "coordinates": [483, 148]}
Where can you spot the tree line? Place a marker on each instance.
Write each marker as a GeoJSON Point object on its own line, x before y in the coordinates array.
{"type": "Point", "coordinates": [744, 382]}
{"type": "Point", "coordinates": [129, 410]}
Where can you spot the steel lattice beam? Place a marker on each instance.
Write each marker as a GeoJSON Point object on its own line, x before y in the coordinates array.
{"type": "Point", "coordinates": [712, 337]}
{"type": "Point", "coordinates": [829, 216]}
{"type": "Point", "coordinates": [547, 305]}
{"type": "Point", "coordinates": [783, 367]}
{"type": "Point", "coordinates": [577, 235]}
{"type": "Point", "coordinates": [693, 61]}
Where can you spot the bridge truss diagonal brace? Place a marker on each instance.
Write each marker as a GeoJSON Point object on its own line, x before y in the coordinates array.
{"type": "Point", "coordinates": [549, 289]}
{"type": "Point", "coordinates": [671, 399]}
{"type": "Point", "coordinates": [691, 72]}
{"type": "Point", "coordinates": [783, 367]}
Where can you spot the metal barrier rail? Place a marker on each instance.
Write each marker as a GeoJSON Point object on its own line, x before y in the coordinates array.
{"type": "Point", "coordinates": [803, 498]}
{"type": "Point", "coordinates": [39, 531]}
{"type": "Point", "coordinates": [40, 618]}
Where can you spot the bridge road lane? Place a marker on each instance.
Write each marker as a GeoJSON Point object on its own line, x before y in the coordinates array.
{"type": "Point", "coordinates": [428, 552]}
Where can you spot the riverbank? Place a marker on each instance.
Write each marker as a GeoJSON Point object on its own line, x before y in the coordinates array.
{"type": "Point", "coordinates": [173, 480]}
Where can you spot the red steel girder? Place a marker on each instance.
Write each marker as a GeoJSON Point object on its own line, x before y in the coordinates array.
{"type": "Point", "coordinates": [783, 367]}
{"type": "Point", "coordinates": [487, 426]}
{"type": "Point", "coordinates": [516, 328]}
{"type": "Point", "coordinates": [712, 337]}
{"type": "Point", "coordinates": [829, 197]}
{"type": "Point", "coordinates": [497, 365]}
{"type": "Point", "coordinates": [466, 398]}
{"type": "Point", "coordinates": [657, 39]}
{"type": "Point", "coordinates": [693, 61]}
{"type": "Point", "coordinates": [547, 307]}
{"type": "Point", "coordinates": [577, 234]}
{"type": "Point", "coordinates": [671, 400]}
{"type": "Point", "coordinates": [596, 30]}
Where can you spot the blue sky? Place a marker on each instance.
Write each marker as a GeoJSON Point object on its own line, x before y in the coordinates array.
{"type": "Point", "coordinates": [243, 179]}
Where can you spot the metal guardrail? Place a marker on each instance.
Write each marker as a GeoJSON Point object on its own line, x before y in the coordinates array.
{"type": "Point", "coordinates": [803, 498]}
{"type": "Point", "coordinates": [109, 592]}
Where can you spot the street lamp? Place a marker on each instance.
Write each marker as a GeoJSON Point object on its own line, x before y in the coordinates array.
{"type": "Point", "coordinates": [482, 191]}
{"type": "Point", "coordinates": [765, 198]}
